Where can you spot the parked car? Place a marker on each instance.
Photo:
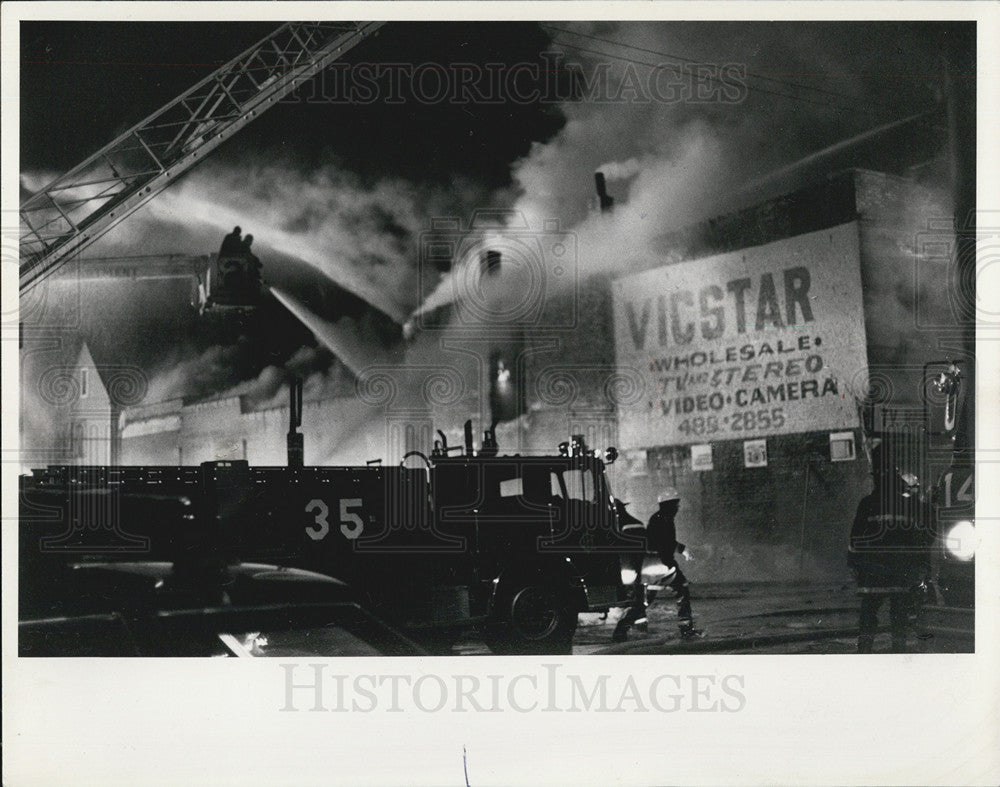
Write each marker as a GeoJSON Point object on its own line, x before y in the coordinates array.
{"type": "Point", "coordinates": [147, 608]}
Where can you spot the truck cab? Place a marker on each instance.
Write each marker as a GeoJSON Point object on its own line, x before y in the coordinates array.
{"type": "Point", "coordinates": [542, 539]}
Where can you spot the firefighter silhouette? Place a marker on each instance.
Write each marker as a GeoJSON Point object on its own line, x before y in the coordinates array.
{"type": "Point", "coordinates": [239, 268]}
{"type": "Point", "coordinates": [889, 552]}
{"type": "Point", "coordinates": [661, 538]}
{"type": "Point", "coordinates": [231, 244]}
{"type": "Point", "coordinates": [253, 266]}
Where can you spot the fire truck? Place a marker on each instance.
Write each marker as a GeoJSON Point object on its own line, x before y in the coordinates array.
{"type": "Point", "coordinates": [513, 546]}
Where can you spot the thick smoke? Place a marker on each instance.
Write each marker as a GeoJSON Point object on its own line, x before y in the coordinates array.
{"type": "Point", "coordinates": [362, 237]}
{"type": "Point", "coordinates": [312, 229]}
{"type": "Point", "coordinates": [668, 165]}
{"type": "Point", "coordinates": [672, 163]}
{"type": "Point", "coordinates": [664, 187]}
{"type": "Point", "coordinates": [620, 170]}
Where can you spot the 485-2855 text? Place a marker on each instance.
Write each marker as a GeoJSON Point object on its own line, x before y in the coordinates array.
{"type": "Point", "coordinates": [740, 421]}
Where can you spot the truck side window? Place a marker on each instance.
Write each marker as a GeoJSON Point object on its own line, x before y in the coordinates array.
{"type": "Point", "coordinates": [512, 487]}
{"type": "Point", "coordinates": [535, 484]}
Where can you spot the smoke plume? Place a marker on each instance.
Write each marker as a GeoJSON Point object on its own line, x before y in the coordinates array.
{"type": "Point", "coordinates": [668, 164]}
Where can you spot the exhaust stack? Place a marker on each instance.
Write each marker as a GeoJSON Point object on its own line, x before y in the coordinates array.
{"type": "Point", "coordinates": [606, 201]}
{"type": "Point", "coordinates": [489, 262]}
{"type": "Point", "coordinates": [469, 449]}
{"type": "Point", "coordinates": [296, 440]}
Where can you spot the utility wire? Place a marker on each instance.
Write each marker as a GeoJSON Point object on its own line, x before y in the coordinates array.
{"type": "Point", "coordinates": [830, 150]}
{"type": "Point", "coordinates": [692, 60]}
{"type": "Point", "coordinates": [805, 161]}
{"type": "Point", "coordinates": [710, 78]}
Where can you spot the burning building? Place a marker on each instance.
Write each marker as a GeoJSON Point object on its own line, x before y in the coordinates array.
{"type": "Point", "coordinates": [70, 412]}
{"type": "Point", "coordinates": [741, 359]}
{"type": "Point", "coordinates": [744, 360]}
{"type": "Point", "coordinates": [179, 432]}
{"type": "Point", "coordinates": [745, 357]}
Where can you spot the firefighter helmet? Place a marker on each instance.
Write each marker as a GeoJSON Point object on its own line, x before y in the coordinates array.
{"type": "Point", "coordinates": [668, 494]}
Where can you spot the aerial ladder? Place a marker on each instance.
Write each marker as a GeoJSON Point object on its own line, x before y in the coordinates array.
{"type": "Point", "coordinates": [143, 267]}
{"type": "Point", "coordinates": [77, 208]}
{"type": "Point", "coordinates": [207, 275]}
{"type": "Point", "coordinates": [196, 269]}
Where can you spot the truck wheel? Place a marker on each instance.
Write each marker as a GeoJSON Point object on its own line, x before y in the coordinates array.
{"type": "Point", "coordinates": [532, 619]}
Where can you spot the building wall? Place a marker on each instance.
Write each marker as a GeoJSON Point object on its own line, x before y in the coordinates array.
{"type": "Point", "coordinates": [91, 415]}
{"type": "Point", "coordinates": [336, 431]}
{"type": "Point", "coordinates": [785, 520]}
{"type": "Point", "coordinates": [790, 518]}
{"type": "Point", "coordinates": [66, 412]}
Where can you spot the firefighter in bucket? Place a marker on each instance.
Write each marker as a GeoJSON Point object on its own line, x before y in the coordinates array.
{"type": "Point", "coordinates": [237, 281]}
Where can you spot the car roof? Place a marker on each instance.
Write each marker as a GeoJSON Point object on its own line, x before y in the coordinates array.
{"type": "Point", "coordinates": [143, 587]}
{"type": "Point", "coordinates": [196, 632]}
{"type": "Point", "coordinates": [162, 569]}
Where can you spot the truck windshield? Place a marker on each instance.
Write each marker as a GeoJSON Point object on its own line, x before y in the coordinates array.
{"type": "Point", "coordinates": [578, 485]}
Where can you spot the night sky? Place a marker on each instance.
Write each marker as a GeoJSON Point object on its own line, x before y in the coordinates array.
{"type": "Point", "coordinates": [75, 74]}
{"type": "Point", "coordinates": [74, 77]}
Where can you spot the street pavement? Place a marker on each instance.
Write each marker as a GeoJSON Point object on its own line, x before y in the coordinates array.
{"type": "Point", "coordinates": [765, 618]}
{"type": "Point", "coordinates": [774, 618]}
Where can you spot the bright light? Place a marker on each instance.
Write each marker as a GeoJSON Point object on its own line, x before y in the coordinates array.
{"type": "Point", "coordinates": [961, 540]}
{"type": "Point", "coordinates": [655, 575]}
{"type": "Point", "coordinates": [628, 576]}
